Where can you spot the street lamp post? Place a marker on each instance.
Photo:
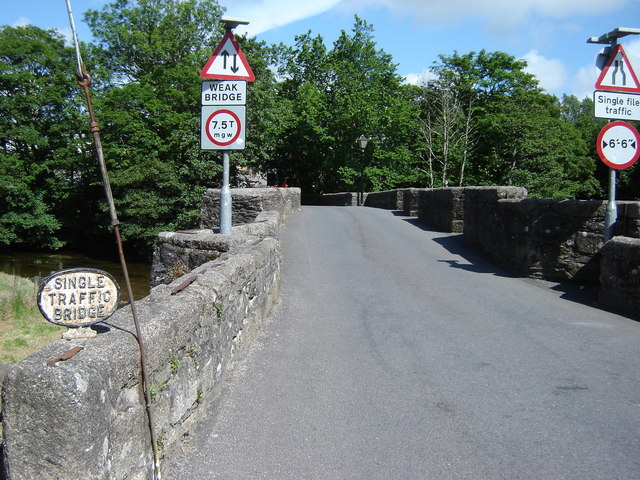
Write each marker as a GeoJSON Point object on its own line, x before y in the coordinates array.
{"type": "Point", "coordinates": [362, 142]}
{"type": "Point", "coordinates": [611, 212]}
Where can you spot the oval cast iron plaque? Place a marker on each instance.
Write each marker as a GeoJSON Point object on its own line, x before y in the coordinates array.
{"type": "Point", "coordinates": [78, 297]}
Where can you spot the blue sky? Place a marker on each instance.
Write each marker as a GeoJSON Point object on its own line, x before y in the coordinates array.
{"type": "Point", "coordinates": [550, 34]}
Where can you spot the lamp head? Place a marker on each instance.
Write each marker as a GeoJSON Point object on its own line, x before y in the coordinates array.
{"type": "Point", "coordinates": [230, 23]}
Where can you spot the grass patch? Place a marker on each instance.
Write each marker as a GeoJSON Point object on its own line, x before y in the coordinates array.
{"type": "Point", "coordinates": [23, 329]}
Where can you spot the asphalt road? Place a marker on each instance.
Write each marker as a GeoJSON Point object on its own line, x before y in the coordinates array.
{"type": "Point", "coordinates": [398, 354]}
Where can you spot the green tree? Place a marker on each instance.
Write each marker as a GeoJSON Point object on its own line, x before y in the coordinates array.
{"type": "Point", "coordinates": [534, 148]}
{"type": "Point", "coordinates": [149, 109]}
{"type": "Point", "coordinates": [498, 127]}
{"type": "Point", "coordinates": [266, 111]}
{"type": "Point", "coordinates": [305, 139]}
{"type": "Point", "coordinates": [45, 169]}
{"type": "Point", "coordinates": [336, 96]}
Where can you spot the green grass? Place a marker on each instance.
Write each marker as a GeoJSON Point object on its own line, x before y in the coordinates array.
{"type": "Point", "coordinates": [23, 330]}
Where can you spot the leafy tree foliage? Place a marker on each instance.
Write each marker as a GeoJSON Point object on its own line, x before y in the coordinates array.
{"type": "Point", "coordinates": [487, 122]}
{"type": "Point", "coordinates": [335, 96]}
{"type": "Point", "coordinates": [44, 170]}
{"type": "Point", "coordinates": [152, 52]}
{"type": "Point", "coordinates": [481, 120]}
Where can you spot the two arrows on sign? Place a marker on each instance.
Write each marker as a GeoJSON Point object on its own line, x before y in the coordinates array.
{"type": "Point", "coordinates": [225, 56]}
{"type": "Point", "coordinates": [221, 67]}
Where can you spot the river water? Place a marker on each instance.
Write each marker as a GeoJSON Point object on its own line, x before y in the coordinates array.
{"type": "Point", "coordinates": [29, 265]}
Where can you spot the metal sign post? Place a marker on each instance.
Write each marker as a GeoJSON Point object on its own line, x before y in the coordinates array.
{"type": "Point", "coordinates": [225, 197]}
{"type": "Point", "coordinates": [614, 78]}
{"type": "Point", "coordinates": [223, 113]}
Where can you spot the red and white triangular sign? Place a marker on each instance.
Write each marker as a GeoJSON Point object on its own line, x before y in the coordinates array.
{"type": "Point", "coordinates": [228, 62]}
{"type": "Point", "coordinates": [618, 74]}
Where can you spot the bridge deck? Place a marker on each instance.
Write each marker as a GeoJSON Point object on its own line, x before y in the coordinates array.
{"type": "Point", "coordinates": [398, 354]}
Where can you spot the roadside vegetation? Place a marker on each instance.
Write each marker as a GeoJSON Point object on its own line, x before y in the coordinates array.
{"type": "Point", "coordinates": [480, 119]}
{"type": "Point", "coordinates": [23, 329]}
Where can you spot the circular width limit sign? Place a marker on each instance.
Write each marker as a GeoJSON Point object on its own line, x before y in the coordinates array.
{"type": "Point", "coordinates": [618, 145]}
{"type": "Point", "coordinates": [223, 127]}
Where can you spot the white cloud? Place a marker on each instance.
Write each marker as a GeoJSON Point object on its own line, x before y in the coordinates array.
{"type": "Point", "coordinates": [582, 84]}
{"type": "Point", "coordinates": [632, 49]}
{"type": "Point", "coordinates": [500, 14]}
{"type": "Point", "coordinates": [21, 22]}
{"type": "Point", "coordinates": [64, 31]}
{"type": "Point", "coordinates": [419, 78]}
{"type": "Point", "coordinates": [67, 34]}
{"type": "Point", "coordinates": [551, 73]}
{"type": "Point", "coordinates": [268, 14]}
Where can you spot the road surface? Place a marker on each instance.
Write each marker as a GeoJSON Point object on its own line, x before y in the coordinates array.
{"type": "Point", "coordinates": [398, 354]}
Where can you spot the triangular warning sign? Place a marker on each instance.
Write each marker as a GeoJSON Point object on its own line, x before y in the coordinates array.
{"type": "Point", "coordinates": [618, 74]}
{"type": "Point", "coordinates": [228, 62]}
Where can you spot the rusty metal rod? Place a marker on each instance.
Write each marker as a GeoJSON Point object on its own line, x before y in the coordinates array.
{"type": "Point", "coordinates": [85, 81]}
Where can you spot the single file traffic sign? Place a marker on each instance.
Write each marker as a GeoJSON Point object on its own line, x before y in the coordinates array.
{"type": "Point", "coordinates": [618, 74]}
{"type": "Point", "coordinates": [616, 105]}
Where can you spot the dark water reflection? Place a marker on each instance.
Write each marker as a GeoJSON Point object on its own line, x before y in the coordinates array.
{"type": "Point", "coordinates": [29, 265]}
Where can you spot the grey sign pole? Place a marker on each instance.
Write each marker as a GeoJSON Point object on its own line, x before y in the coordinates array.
{"type": "Point", "coordinates": [223, 108]}
{"type": "Point", "coordinates": [611, 213]}
{"type": "Point", "coordinates": [225, 197]}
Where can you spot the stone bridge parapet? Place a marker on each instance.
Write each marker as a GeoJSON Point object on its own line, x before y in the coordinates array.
{"type": "Point", "coordinates": [84, 417]}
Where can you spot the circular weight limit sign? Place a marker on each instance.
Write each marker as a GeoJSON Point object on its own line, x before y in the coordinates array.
{"type": "Point", "coordinates": [618, 144]}
{"type": "Point", "coordinates": [223, 127]}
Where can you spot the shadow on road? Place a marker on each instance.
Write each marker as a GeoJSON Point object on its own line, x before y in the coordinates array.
{"type": "Point", "coordinates": [454, 243]}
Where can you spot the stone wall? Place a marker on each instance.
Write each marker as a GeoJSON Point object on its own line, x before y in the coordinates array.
{"type": "Point", "coordinates": [620, 275]}
{"type": "Point", "coordinates": [550, 239]}
{"type": "Point", "coordinates": [410, 201]}
{"type": "Point", "coordinates": [390, 199]}
{"type": "Point", "coordinates": [442, 208]}
{"type": "Point", "coordinates": [343, 199]}
{"type": "Point", "coordinates": [84, 417]}
{"type": "Point", "coordinates": [247, 203]}
{"type": "Point", "coordinates": [179, 252]}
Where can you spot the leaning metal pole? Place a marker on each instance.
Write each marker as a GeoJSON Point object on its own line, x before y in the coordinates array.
{"type": "Point", "coordinates": [84, 80]}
